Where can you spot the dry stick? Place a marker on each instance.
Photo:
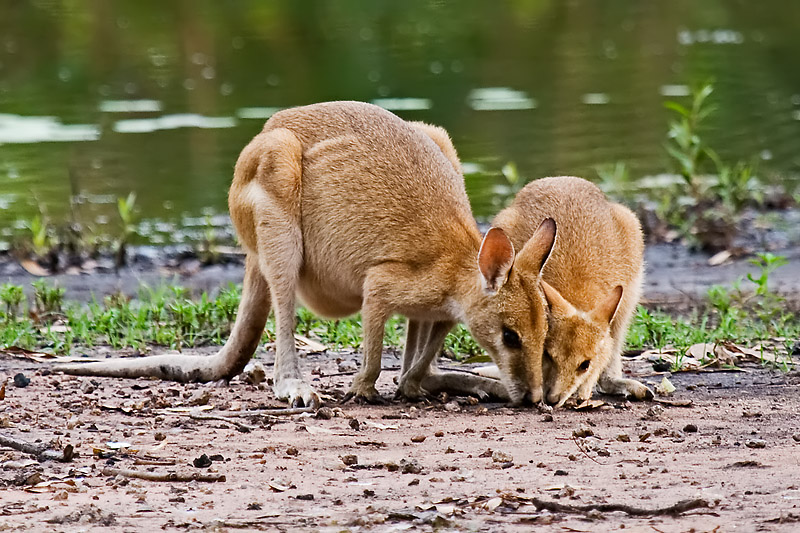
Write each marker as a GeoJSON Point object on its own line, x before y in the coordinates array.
{"type": "Point", "coordinates": [41, 451]}
{"type": "Point", "coordinates": [270, 412]}
{"type": "Point", "coordinates": [575, 440]}
{"type": "Point", "coordinates": [680, 507]}
{"type": "Point", "coordinates": [244, 428]}
{"type": "Point", "coordinates": [164, 476]}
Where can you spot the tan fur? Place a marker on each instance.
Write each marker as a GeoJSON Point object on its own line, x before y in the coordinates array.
{"type": "Point", "coordinates": [592, 282]}
{"type": "Point", "coordinates": [348, 207]}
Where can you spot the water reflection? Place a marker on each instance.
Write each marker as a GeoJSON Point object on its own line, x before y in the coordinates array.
{"type": "Point", "coordinates": [159, 98]}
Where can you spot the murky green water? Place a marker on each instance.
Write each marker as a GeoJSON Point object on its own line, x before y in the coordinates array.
{"type": "Point", "coordinates": [99, 98]}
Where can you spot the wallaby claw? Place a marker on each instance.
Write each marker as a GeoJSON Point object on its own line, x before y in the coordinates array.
{"type": "Point", "coordinates": [297, 393]}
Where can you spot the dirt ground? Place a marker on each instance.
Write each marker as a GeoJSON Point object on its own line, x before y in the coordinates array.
{"type": "Point", "coordinates": [443, 465]}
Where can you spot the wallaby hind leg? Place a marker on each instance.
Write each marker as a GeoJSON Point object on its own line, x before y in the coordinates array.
{"type": "Point", "coordinates": [274, 197]}
{"type": "Point", "coordinates": [227, 363]}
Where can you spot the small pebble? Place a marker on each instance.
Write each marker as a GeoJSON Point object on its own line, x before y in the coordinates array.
{"type": "Point", "coordinates": [439, 434]}
{"type": "Point", "coordinates": [411, 467]}
{"type": "Point", "coordinates": [355, 424]}
{"type": "Point", "coordinates": [502, 457]}
{"type": "Point", "coordinates": [418, 438]}
{"type": "Point", "coordinates": [202, 462]}
{"type": "Point", "coordinates": [306, 497]}
{"type": "Point", "coordinates": [348, 366]}
{"type": "Point", "coordinates": [324, 413]}
{"type": "Point", "coordinates": [350, 460]}
{"type": "Point", "coordinates": [547, 418]}
{"type": "Point", "coordinates": [292, 451]}
{"type": "Point", "coordinates": [583, 433]}
{"type": "Point", "coordinates": [756, 443]}
{"type": "Point", "coordinates": [159, 436]}
{"type": "Point", "coordinates": [560, 473]}
{"type": "Point", "coordinates": [623, 438]}
{"type": "Point", "coordinates": [21, 381]}
{"type": "Point", "coordinates": [452, 407]}
{"type": "Point", "coordinates": [796, 437]}
{"type": "Point", "coordinates": [690, 428]}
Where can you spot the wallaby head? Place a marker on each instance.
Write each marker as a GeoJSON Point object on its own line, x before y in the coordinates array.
{"type": "Point", "coordinates": [579, 343]}
{"type": "Point", "coordinates": [507, 313]}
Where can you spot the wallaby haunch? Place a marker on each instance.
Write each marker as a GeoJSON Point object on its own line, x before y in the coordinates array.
{"type": "Point", "coordinates": [592, 282]}
{"type": "Point", "coordinates": [349, 207]}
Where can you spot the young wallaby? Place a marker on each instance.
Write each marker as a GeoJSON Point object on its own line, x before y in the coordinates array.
{"type": "Point", "coordinates": [349, 207]}
{"type": "Point", "coordinates": [592, 283]}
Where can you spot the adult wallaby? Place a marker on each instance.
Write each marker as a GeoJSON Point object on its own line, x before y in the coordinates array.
{"type": "Point", "coordinates": [349, 207]}
{"type": "Point", "coordinates": [592, 282]}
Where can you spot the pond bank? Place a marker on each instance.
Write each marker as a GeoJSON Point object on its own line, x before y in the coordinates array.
{"type": "Point", "coordinates": [677, 279]}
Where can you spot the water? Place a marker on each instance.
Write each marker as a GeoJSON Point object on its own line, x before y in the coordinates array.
{"type": "Point", "coordinates": [98, 99]}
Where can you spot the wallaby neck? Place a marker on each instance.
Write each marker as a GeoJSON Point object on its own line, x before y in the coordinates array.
{"type": "Point", "coordinates": [467, 289]}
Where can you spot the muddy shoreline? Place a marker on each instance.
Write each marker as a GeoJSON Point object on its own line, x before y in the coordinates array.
{"type": "Point", "coordinates": [677, 279]}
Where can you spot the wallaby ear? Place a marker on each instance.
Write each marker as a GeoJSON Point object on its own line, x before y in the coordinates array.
{"type": "Point", "coordinates": [604, 313]}
{"type": "Point", "coordinates": [495, 259]}
{"type": "Point", "coordinates": [558, 304]}
{"type": "Point", "coordinates": [536, 251]}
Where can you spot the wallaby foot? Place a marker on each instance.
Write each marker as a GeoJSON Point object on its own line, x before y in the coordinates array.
{"type": "Point", "coordinates": [411, 391]}
{"type": "Point", "coordinates": [628, 388]}
{"type": "Point", "coordinates": [363, 391]}
{"type": "Point", "coordinates": [297, 392]}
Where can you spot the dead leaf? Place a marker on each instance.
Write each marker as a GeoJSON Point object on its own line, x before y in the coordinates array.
{"type": "Point", "coordinates": [33, 268]}
{"type": "Point", "coordinates": [3, 391]}
{"type": "Point", "coordinates": [719, 258]}
{"type": "Point", "coordinates": [22, 353]}
{"type": "Point", "coordinates": [378, 425]}
{"type": "Point", "coordinates": [493, 504]}
{"type": "Point", "coordinates": [588, 405]}
{"type": "Point", "coordinates": [307, 345]}
{"type": "Point", "coordinates": [665, 388]}
{"type": "Point", "coordinates": [314, 430]}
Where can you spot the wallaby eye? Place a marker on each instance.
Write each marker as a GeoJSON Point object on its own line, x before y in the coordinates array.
{"type": "Point", "coordinates": [511, 339]}
{"type": "Point", "coordinates": [583, 367]}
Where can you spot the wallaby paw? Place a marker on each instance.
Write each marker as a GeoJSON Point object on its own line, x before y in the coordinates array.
{"type": "Point", "coordinates": [298, 393]}
{"type": "Point", "coordinates": [412, 392]}
{"type": "Point", "coordinates": [364, 396]}
{"type": "Point", "coordinates": [535, 396]}
{"type": "Point", "coordinates": [628, 388]}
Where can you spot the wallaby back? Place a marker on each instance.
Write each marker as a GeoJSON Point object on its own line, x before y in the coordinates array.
{"type": "Point", "coordinates": [349, 207]}
{"type": "Point", "coordinates": [592, 279]}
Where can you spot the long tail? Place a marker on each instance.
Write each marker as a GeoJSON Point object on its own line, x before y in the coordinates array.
{"type": "Point", "coordinates": [227, 363]}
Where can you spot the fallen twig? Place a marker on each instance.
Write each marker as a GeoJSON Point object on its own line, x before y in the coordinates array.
{"type": "Point", "coordinates": [680, 507]}
{"type": "Point", "coordinates": [39, 450]}
{"type": "Point", "coordinates": [269, 412]}
{"type": "Point", "coordinates": [244, 428]}
{"type": "Point", "coordinates": [673, 403]}
{"type": "Point", "coordinates": [164, 476]}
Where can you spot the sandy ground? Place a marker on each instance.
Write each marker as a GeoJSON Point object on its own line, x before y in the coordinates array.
{"type": "Point", "coordinates": [443, 465]}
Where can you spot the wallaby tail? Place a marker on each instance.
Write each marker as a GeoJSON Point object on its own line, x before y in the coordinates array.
{"type": "Point", "coordinates": [227, 363]}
